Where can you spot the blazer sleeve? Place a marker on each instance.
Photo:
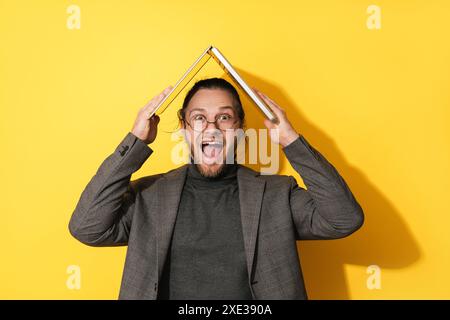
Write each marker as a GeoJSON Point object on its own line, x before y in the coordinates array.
{"type": "Point", "coordinates": [327, 209]}
{"type": "Point", "coordinates": [103, 214]}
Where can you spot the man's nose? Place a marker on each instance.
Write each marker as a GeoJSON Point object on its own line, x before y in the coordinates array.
{"type": "Point", "coordinates": [212, 133]}
{"type": "Point", "coordinates": [213, 125]}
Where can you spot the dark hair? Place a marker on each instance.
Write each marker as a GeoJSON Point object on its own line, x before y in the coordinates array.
{"type": "Point", "coordinates": [214, 83]}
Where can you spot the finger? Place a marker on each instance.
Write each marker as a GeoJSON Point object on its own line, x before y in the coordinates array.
{"type": "Point", "coordinates": [158, 98]}
{"type": "Point", "coordinates": [151, 106]}
{"type": "Point", "coordinates": [275, 108]}
{"type": "Point", "coordinates": [167, 90]}
{"type": "Point", "coordinates": [269, 124]}
{"type": "Point", "coordinates": [155, 119]}
{"type": "Point", "coordinates": [270, 101]}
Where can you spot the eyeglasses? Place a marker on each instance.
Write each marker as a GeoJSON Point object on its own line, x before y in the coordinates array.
{"type": "Point", "coordinates": [223, 122]}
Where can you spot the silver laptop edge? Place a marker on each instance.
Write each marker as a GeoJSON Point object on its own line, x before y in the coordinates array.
{"type": "Point", "coordinates": [214, 52]}
{"type": "Point", "coordinates": [265, 109]}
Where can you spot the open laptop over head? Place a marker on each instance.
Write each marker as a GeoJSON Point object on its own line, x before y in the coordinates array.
{"type": "Point", "coordinates": [213, 52]}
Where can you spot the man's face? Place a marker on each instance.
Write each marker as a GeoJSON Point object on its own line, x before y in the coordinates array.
{"type": "Point", "coordinates": [209, 148]}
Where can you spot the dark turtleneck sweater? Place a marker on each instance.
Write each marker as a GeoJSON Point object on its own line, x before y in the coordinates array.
{"type": "Point", "coordinates": [207, 258]}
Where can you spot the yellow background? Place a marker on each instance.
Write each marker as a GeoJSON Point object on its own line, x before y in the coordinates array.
{"type": "Point", "coordinates": [374, 102]}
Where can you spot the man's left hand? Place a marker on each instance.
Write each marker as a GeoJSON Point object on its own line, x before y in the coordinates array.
{"type": "Point", "coordinates": [282, 133]}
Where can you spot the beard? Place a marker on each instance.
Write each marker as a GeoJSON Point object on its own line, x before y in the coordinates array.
{"type": "Point", "coordinates": [211, 171]}
{"type": "Point", "coordinates": [208, 171]}
{"type": "Point", "coordinates": [216, 169]}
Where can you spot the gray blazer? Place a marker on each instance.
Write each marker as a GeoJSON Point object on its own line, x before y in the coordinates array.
{"type": "Point", "coordinates": [275, 212]}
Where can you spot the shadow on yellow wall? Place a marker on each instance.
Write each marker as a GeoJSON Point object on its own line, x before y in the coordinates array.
{"type": "Point", "coordinates": [384, 240]}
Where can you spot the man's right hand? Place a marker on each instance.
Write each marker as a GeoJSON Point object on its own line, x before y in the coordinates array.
{"type": "Point", "coordinates": [145, 128]}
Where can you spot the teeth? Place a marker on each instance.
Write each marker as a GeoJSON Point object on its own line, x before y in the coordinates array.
{"type": "Point", "coordinates": [211, 143]}
{"type": "Point", "coordinates": [214, 144]}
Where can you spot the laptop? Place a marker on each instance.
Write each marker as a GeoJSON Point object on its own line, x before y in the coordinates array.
{"type": "Point", "coordinates": [213, 52]}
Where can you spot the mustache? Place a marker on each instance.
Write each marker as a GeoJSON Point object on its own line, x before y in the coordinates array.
{"type": "Point", "coordinates": [210, 135]}
{"type": "Point", "coordinates": [227, 139]}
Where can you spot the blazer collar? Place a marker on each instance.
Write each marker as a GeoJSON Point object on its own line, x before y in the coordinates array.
{"type": "Point", "coordinates": [251, 191]}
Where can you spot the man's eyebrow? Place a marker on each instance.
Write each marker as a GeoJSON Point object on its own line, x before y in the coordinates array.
{"type": "Point", "coordinates": [226, 107]}
{"type": "Point", "coordinates": [197, 109]}
{"type": "Point", "coordinates": [203, 109]}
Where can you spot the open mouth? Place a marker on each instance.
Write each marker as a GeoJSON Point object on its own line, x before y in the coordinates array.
{"type": "Point", "coordinates": [211, 149]}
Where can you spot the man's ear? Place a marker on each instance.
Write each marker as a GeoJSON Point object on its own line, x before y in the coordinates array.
{"type": "Point", "coordinates": [185, 133]}
{"type": "Point", "coordinates": [242, 125]}
{"type": "Point", "coordinates": [183, 127]}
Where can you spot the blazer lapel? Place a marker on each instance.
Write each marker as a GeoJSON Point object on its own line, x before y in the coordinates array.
{"type": "Point", "coordinates": [169, 199]}
{"type": "Point", "coordinates": [251, 190]}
